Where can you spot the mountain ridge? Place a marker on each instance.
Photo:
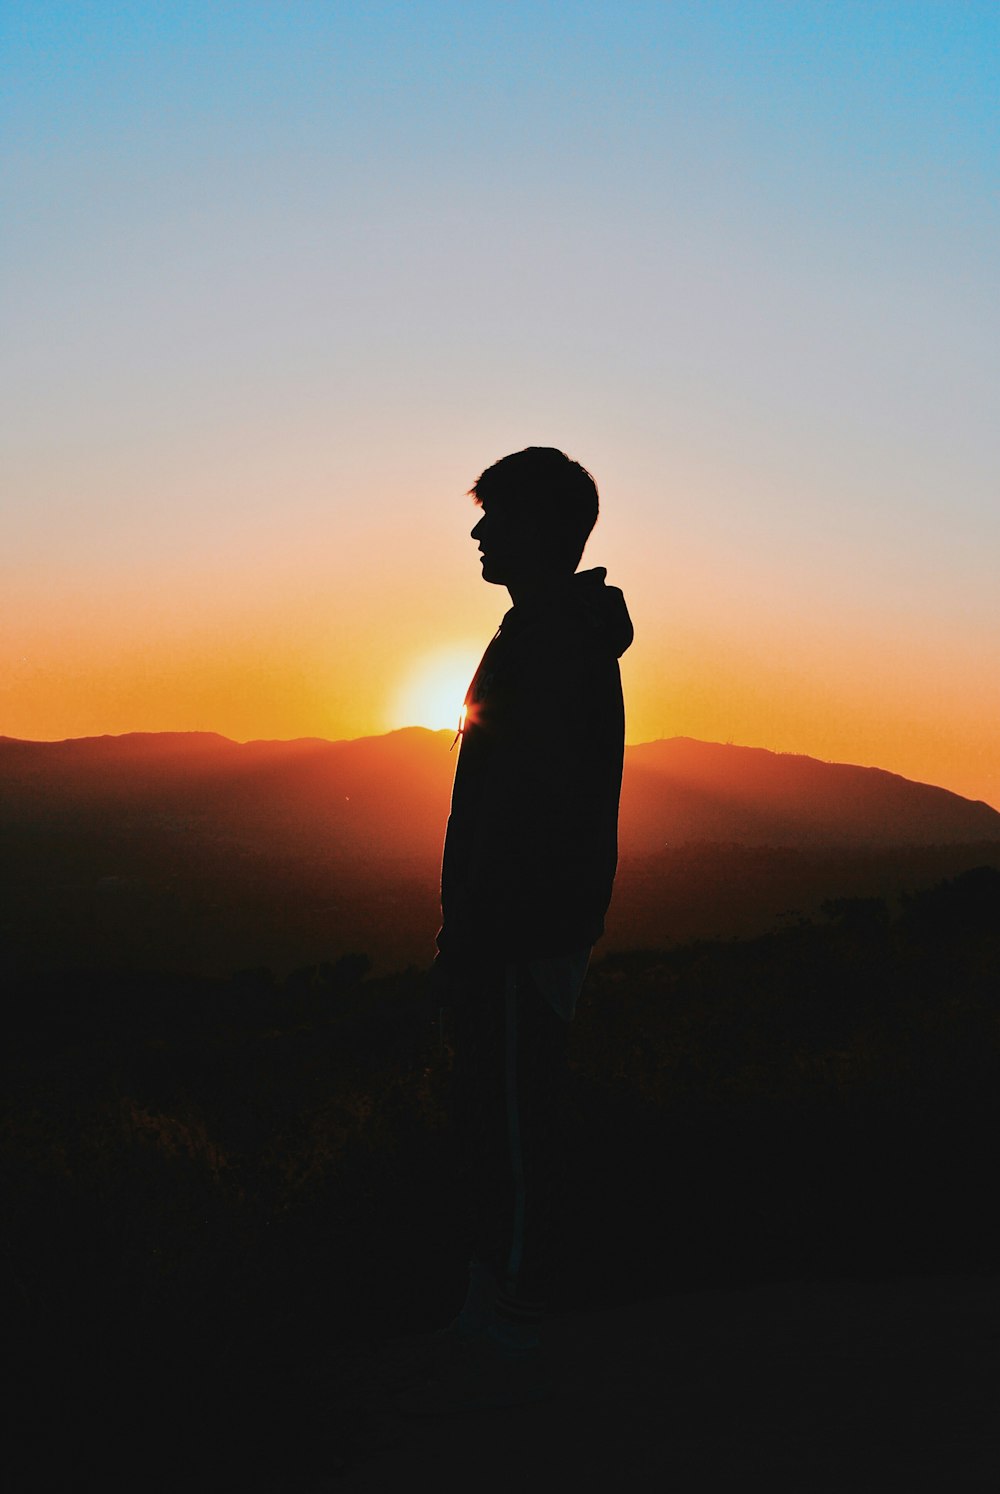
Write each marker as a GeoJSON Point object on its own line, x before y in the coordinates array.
{"type": "Point", "coordinates": [747, 750]}
{"type": "Point", "coordinates": [387, 794]}
{"type": "Point", "coordinates": [152, 848]}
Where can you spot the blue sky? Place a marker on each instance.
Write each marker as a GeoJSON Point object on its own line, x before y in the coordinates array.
{"type": "Point", "coordinates": [279, 280]}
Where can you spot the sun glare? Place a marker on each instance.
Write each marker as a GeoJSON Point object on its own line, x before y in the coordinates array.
{"type": "Point", "coordinates": [433, 693]}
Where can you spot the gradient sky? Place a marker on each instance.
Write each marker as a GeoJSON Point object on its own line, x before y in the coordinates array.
{"type": "Point", "coordinates": [280, 279]}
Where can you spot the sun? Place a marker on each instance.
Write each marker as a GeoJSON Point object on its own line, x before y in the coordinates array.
{"type": "Point", "coordinates": [433, 692]}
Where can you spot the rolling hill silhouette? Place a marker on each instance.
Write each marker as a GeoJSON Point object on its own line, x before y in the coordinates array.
{"type": "Point", "coordinates": [681, 790]}
{"type": "Point", "coordinates": [377, 796]}
{"type": "Point", "coordinates": [189, 849]}
{"type": "Point", "coordinates": [387, 796]}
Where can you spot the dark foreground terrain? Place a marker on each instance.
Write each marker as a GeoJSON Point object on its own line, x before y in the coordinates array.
{"type": "Point", "coordinates": [222, 1196]}
{"type": "Point", "coordinates": [830, 1387]}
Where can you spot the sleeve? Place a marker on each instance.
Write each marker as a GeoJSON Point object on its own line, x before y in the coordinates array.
{"type": "Point", "coordinates": [544, 848]}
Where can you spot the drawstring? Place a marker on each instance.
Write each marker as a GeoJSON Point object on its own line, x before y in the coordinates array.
{"type": "Point", "coordinates": [469, 695]}
{"type": "Point", "coordinates": [461, 726]}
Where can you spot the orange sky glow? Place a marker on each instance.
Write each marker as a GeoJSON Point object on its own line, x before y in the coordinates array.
{"type": "Point", "coordinates": [282, 281]}
{"type": "Point", "coordinates": [289, 642]}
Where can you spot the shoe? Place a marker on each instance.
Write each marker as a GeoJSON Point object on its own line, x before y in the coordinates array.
{"type": "Point", "coordinates": [485, 1377]}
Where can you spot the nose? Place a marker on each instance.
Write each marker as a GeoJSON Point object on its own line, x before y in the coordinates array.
{"type": "Point", "coordinates": [475, 534]}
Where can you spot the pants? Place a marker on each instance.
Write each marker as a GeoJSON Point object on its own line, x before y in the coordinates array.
{"type": "Point", "coordinates": [508, 1094]}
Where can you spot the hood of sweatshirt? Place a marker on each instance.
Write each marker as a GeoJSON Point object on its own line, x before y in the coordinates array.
{"type": "Point", "coordinates": [603, 608]}
{"type": "Point", "coordinates": [600, 609]}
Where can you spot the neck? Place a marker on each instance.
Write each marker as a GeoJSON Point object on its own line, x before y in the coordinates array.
{"type": "Point", "coordinates": [528, 591]}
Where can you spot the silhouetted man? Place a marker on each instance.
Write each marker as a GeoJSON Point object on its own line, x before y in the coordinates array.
{"type": "Point", "coordinates": [529, 862]}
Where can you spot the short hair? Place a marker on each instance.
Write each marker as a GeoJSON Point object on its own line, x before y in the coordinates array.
{"type": "Point", "coordinates": [561, 494]}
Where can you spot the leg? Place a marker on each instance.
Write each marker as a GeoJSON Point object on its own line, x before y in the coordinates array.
{"type": "Point", "coordinates": [477, 1112]}
{"type": "Point", "coordinates": [509, 1059]}
{"type": "Point", "coordinates": [535, 1071]}
{"type": "Point", "coordinates": [509, 1091]}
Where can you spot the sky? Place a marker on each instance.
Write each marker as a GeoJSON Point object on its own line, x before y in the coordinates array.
{"type": "Point", "coordinates": [280, 280]}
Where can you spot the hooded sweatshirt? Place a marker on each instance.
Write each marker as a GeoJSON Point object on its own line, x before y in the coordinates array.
{"type": "Point", "coordinates": [532, 841]}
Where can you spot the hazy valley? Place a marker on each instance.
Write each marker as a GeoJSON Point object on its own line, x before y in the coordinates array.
{"type": "Point", "coordinates": [189, 851]}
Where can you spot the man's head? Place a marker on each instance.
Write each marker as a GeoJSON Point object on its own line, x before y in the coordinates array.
{"type": "Point", "coordinates": [538, 510]}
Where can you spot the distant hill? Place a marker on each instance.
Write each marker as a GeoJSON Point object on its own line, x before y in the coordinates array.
{"type": "Point", "coordinates": [387, 796]}
{"type": "Point", "coordinates": [680, 791]}
{"type": "Point", "coordinates": [376, 797]}
{"type": "Point", "coordinates": [189, 850]}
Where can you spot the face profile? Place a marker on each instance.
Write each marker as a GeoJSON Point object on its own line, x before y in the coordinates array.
{"type": "Point", "coordinates": [508, 545]}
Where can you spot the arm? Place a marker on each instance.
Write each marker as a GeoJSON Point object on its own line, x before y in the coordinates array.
{"type": "Point", "coordinates": [539, 860]}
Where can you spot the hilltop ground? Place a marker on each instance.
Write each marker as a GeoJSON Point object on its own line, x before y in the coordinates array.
{"type": "Point", "coordinates": [845, 1387]}
{"type": "Point", "coordinates": [808, 1387]}
{"type": "Point", "coordinates": [223, 1198]}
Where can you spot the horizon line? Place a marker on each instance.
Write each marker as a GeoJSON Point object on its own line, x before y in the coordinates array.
{"type": "Point", "coordinates": [448, 731]}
